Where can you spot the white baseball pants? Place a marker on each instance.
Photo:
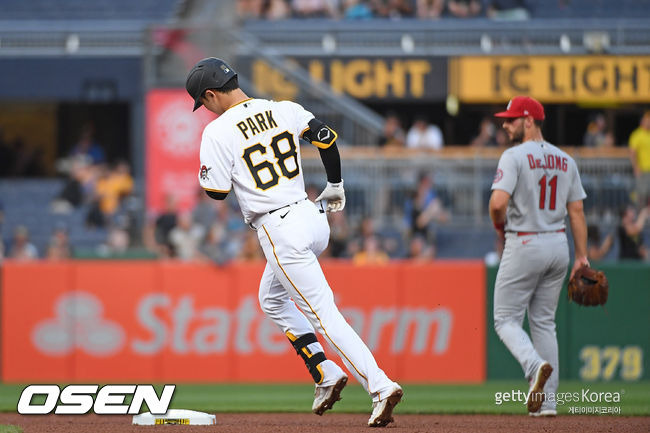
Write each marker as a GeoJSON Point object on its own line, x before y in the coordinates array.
{"type": "Point", "coordinates": [292, 238]}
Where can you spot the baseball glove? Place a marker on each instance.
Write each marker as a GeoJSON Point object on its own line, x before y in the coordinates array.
{"type": "Point", "coordinates": [588, 287]}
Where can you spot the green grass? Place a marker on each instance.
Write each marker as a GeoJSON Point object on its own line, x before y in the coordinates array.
{"type": "Point", "coordinates": [10, 429]}
{"type": "Point", "coordinates": [442, 399]}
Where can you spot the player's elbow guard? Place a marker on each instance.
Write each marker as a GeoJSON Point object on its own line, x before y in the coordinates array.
{"type": "Point", "coordinates": [319, 134]}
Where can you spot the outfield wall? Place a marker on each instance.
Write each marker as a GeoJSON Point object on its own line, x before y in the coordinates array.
{"type": "Point", "coordinates": [596, 343]}
{"type": "Point", "coordinates": [170, 321]}
{"type": "Point", "coordinates": [167, 321]}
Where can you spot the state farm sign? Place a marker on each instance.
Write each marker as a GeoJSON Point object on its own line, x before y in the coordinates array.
{"type": "Point", "coordinates": [171, 321]}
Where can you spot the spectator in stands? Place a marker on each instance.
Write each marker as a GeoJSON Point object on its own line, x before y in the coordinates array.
{"type": "Point", "coordinates": [394, 9]}
{"type": "Point", "coordinates": [357, 9]}
{"type": "Point", "coordinates": [486, 135]}
{"type": "Point", "coordinates": [205, 210]}
{"type": "Point", "coordinates": [21, 248]}
{"type": "Point", "coordinates": [393, 136]}
{"type": "Point", "coordinates": [424, 208]}
{"type": "Point", "coordinates": [276, 9]}
{"type": "Point", "coordinates": [186, 238]}
{"type": "Point", "coordinates": [249, 9]}
{"type": "Point", "coordinates": [112, 187]}
{"type": "Point", "coordinates": [313, 9]}
{"type": "Point", "coordinates": [420, 250]}
{"type": "Point", "coordinates": [118, 240]}
{"type": "Point", "coordinates": [597, 134]}
{"type": "Point", "coordinates": [73, 193]}
{"type": "Point", "coordinates": [339, 235]}
{"type": "Point", "coordinates": [59, 247]}
{"type": "Point", "coordinates": [423, 135]}
{"type": "Point", "coordinates": [630, 233]}
{"type": "Point", "coordinates": [508, 9]}
{"type": "Point", "coordinates": [429, 9]}
{"type": "Point", "coordinates": [639, 144]}
{"type": "Point", "coordinates": [371, 253]}
{"type": "Point", "coordinates": [463, 8]}
{"type": "Point", "coordinates": [220, 246]}
{"type": "Point", "coordinates": [501, 138]}
{"type": "Point", "coordinates": [251, 250]}
{"type": "Point", "coordinates": [88, 147]}
{"type": "Point", "coordinates": [595, 249]}
{"type": "Point", "coordinates": [162, 226]}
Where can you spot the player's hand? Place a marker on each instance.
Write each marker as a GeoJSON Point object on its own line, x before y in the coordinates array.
{"type": "Point", "coordinates": [579, 262]}
{"type": "Point", "coordinates": [334, 195]}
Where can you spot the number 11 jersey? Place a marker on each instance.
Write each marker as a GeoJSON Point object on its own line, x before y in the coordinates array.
{"type": "Point", "coordinates": [541, 180]}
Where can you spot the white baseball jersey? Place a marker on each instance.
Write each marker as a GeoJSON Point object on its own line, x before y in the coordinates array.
{"type": "Point", "coordinates": [541, 180]}
{"type": "Point", "coordinates": [254, 148]}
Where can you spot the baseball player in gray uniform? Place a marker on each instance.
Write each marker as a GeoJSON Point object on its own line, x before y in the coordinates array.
{"type": "Point", "coordinates": [535, 186]}
{"type": "Point", "coordinates": [253, 148]}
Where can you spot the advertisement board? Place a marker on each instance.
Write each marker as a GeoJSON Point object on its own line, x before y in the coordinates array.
{"type": "Point", "coordinates": [552, 79]}
{"type": "Point", "coordinates": [173, 139]}
{"type": "Point", "coordinates": [170, 321]}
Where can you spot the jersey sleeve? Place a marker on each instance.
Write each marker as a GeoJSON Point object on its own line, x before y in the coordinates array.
{"type": "Point", "coordinates": [299, 116]}
{"type": "Point", "coordinates": [507, 172]}
{"type": "Point", "coordinates": [576, 191]}
{"type": "Point", "coordinates": [216, 165]}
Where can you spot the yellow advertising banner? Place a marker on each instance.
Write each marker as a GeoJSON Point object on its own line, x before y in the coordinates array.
{"type": "Point", "coordinates": [551, 79]}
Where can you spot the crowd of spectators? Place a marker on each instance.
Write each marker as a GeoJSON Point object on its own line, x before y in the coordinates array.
{"type": "Point", "coordinates": [214, 230]}
{"type": "Point", "coordinates": [383, 9]}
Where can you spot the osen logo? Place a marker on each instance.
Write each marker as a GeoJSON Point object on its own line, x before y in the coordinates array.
{"type": "Point", "coordinates": [80, 399]}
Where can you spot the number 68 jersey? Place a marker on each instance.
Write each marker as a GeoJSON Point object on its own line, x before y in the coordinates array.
{"type": "Point", "coordinates": [541, 180]}
{"type": "Point", "coordinates": [254, 148]}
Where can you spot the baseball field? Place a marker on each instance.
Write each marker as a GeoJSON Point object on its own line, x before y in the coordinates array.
{"type": "Point", "coordinates": [448, 407]}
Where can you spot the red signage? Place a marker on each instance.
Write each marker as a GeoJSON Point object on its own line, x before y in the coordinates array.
{"type": "Point", "coordinates": [173, 142]}
{"type": "Point", "coordinates": [169, 321]}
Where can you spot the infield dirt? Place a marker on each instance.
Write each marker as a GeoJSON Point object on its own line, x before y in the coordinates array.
{"type": "Point", "coordinates": [338, 423]}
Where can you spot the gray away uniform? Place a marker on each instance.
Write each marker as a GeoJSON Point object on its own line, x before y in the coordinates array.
{"type": "Point", "coordinates": [541, 180]}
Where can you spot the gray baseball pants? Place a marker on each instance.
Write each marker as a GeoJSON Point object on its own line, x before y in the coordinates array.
{"type": "Point", "coordinates": [530, 277]}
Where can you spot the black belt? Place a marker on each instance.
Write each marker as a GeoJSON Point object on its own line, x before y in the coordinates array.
{"type": "Point", "coordinates": [287, 205]}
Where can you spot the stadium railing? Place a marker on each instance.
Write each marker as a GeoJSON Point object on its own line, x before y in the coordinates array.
{"type": "Point", "coordinates": [378, 183]}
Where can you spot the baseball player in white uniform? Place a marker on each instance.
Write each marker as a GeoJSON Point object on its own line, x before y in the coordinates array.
{"type": "Point", "coordinates": [253, 148]}
{"type": "Point", "coordinates": [535, 186]}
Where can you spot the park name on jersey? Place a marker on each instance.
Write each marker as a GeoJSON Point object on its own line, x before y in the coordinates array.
{"type": "Point", "coordinates": [258, 125]}
{"type": "Point", "coordinates": [549, 162]}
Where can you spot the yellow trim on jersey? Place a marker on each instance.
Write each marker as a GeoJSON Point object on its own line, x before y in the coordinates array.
{"type": "Point", "coordinates": [326, 145]}
{"type": "Point", "coordinates": [303, 132]}
{"type": "Point", "coordinates": [237, 103]}
{"type": "Point", "coordinates": [216, 190]}
{"type": "Point", "coordinates": [312, 310]}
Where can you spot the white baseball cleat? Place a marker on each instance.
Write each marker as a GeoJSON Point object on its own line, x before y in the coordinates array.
{"type": "Point", "coordinates": [326, 396]}
{"type": "Point", "coordinates": [544, 413]}
{"type": "Point", "coordinates": [382, 410]}
{"type": "Point", "coordinates": [536, 394]}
